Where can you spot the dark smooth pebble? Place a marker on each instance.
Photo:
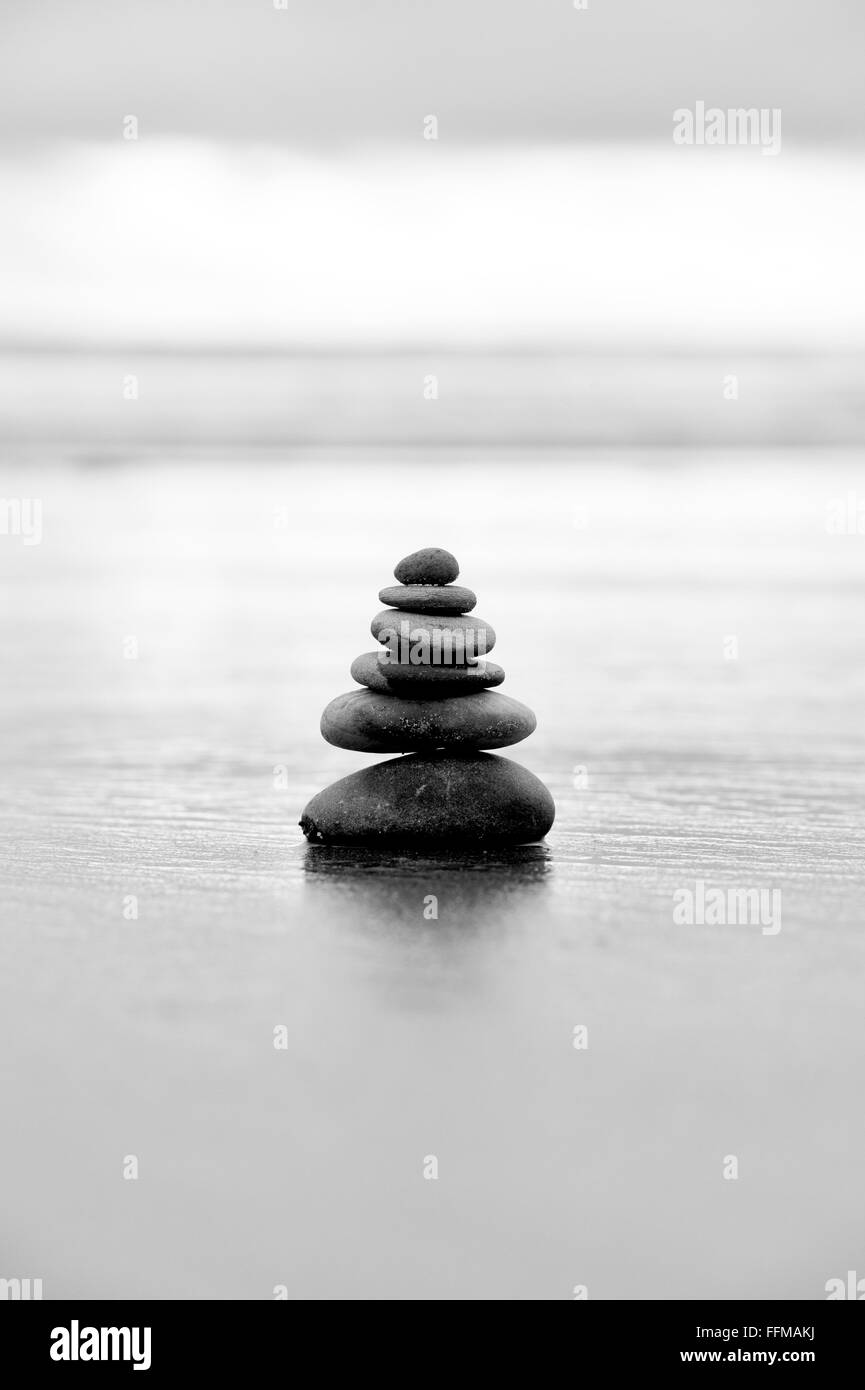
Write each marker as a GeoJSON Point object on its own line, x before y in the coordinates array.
{"type": "Point", "coordinates": [370, 722]}
{"type": "Point", "coordinates": [432, 565]}
{"type": "Point", "coordinates": [468, 634]}
{"type": "Point", "coordinates": [429, 598]}
{"type": "Point", "coordinates": [423, 682]}
{"type": "Point", "coordinates": [427, 800]}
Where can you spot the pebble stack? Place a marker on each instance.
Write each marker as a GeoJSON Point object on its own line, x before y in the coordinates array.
{"type": "Point", "coordinates": [429, 693]}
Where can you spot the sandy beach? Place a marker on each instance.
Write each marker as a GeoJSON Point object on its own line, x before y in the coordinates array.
{"type": "Point", "coordinates": [174, 778]}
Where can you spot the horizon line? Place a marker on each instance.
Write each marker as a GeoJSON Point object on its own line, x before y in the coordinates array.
{"type": "Point", "coordinates": [35, 347]}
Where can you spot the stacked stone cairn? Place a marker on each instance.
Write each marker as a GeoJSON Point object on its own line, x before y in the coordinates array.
{"type": "Point", "coordinates": [429, 695]}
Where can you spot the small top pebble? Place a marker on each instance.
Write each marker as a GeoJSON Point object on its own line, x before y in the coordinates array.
{"type": "Point", "coordinates": [428, 566]}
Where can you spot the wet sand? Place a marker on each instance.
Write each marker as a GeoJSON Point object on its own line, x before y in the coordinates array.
{"type": "Point", "coordinates": [176, 777]}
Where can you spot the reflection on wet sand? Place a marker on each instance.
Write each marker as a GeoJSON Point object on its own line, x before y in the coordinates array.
{"type": "Point", "coordinates": [405, 888]}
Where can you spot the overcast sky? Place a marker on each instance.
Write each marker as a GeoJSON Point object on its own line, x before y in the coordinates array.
{"type": "Point", "coordinates": [280, 191]}
{"type": "Point", "coordinates": [334, 71]}
{"type": "Point", "coordinates": [168, 241]}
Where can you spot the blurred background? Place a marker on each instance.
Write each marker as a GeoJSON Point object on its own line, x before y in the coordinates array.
{"type": "Point", "coordinates": [237, 205]}
{"type": "Point", "coordinates": [260, 338]}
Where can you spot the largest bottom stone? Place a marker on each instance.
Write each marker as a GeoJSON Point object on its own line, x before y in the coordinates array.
{"type": "Point", "coordinates": [426, 799]}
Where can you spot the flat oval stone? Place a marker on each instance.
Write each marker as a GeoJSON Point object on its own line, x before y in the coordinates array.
{"type": "Point", "coordinates": [432, 799]}
{"type": "Point", "coordinates": [468, 636]}
{"type": "Point", "coordinates": [428, 566]}
{"type": "Point", "coordinates": [371, 722]}
{"type": "Point", "coordinates": [429, 598]}
{"type": "Point", "coordinates": [424, 682]}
